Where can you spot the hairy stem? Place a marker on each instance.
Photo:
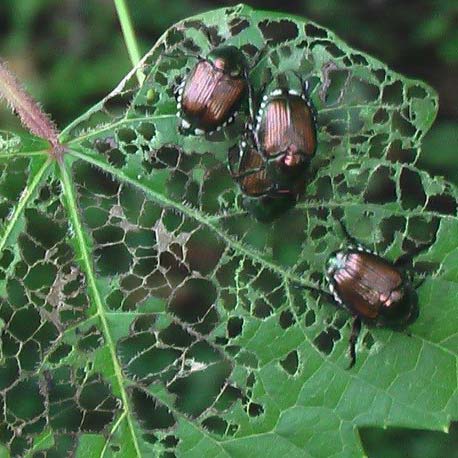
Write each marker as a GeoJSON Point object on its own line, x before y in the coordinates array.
{"type": "Point", "coordinates": [29, 111]}
{"type": "Point", "coordinates": [129, 36]}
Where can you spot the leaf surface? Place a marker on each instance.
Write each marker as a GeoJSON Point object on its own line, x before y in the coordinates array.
{"type": "Point", "coordinates": [144, 313]}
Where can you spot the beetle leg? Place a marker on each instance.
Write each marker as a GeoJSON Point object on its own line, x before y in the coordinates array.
{"type": "Point", "coordinates": [235, 161]}
{"type": "Point", "coordinates": [250, 96]}
{"type": "Point", "coordinates": [355, 331]}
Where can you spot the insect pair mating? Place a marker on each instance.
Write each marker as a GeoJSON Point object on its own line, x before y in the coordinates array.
{"type": "Point", "coordinates": [276, 148]}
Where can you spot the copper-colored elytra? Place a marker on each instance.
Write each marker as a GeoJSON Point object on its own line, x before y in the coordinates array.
{"type": "Point", "coordinates": [367, 284]}
{"type": "Point", "coordinates": [252, 174]}
{"type": "Point", "coordinates": [288, 125]}
{"type": "Point", "coordinates": [256, 184]}
{"type": "Point", "coordinates": [211, 96]}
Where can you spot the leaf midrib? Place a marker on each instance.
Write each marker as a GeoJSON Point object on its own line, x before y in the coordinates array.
{"type": "Point", "coordinates": [70, 196]}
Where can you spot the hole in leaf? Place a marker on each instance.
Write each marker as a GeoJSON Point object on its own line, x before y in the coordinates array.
{"type": "Point", "coordinates": [234, 327]}
{"type": "Point", "coordinates": [368, 340]}
{"type": "Point", "coordinates": [198, 390]}
{"type": "Point", "coordinates": [325, 340]}
{"type": "Point", "coordinates": [286, 319]}
{"type": "Point", "coordinates": [9, 373]}
{"type": "Point", "coordinates": [113, 259]}
{"type": "Point", "coordinates": [38, 227]}
{"type": "Point", "coordinates": [127, 135]}
{"type": "Point", "coordinates": [92, 340]}
{"type": "Point", "coordinates": [176, 336]}
{"type": "Point", "coordinates": [25, 323]}
{"type": "Point", "coordinates": [291, 363]}
{"type": "Point", "coordinates": [276, 32]}
{"type": "Point", "coordinates": [62, 351]}
{"type": "Point", "coordinates": [151, 414]}
{"type": "Point", "coordinates": [396, 153]}
{"type": "Point", "coordinates": [310, 318]}
{"type": "Point", "coordinates": [255, 410]}
{"type": "Point", "coordinates": [392, 94]}
{"type": "Point", "coordinates": [313, 30]}
{"type": "Point", "coordinates": [170, 441]}
{"type": "Point", "coordinates": [193, 302]}
{"type": "Point", "coordinates": [216, 425]}
{"type": "Point", "coordinates": [227, 398]}
{"type": "Point", "coordinates": [442, 203]}
{"type": "Point", "coordinates": [204, 251]}
{"type": "Point", "coordinates": [238, 25]}
{"type": "Point", "coordinates": [412, 193]}
{"type": "Point", "coordinates": [381, 187]}
{"type": "Point", "coordinates": [262, 309]}
{"type": "Point", "coordinates": [24, 400]}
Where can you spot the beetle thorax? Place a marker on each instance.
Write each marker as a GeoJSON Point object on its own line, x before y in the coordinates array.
{"type": "Point", "coordinates": [394, 297]}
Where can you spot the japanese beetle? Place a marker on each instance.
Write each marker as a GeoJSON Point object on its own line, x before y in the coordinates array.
{"type": "Point", "coordinates": [374, 290]}
{"type": "Point", "coordinates": [208, 98]}
{"type": "Point", "coordinates": [272, 166]}
{"type": "Point", "coordinates": [285, 130]}
{"type": "Point", "coordinates": [263, 198]}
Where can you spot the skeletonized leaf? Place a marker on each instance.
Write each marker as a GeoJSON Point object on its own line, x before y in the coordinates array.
{"type": "Point", "coordinates": [144, 313]}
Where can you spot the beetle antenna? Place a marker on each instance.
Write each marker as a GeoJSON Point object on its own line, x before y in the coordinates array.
{"type": "Point", "coordinates": [355, 331]}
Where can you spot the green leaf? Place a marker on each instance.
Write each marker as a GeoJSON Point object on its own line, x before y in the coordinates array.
{"type": "Point", "coordinates": [144, 313]}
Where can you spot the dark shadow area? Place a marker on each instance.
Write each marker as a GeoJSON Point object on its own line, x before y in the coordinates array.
{"type": "Point", "coordinates": [409, 443]}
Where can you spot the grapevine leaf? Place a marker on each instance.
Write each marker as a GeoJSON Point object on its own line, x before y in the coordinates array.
{"type": "Point", "coordinates": [145, 313]}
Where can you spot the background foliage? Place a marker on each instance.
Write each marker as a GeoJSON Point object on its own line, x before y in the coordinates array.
{"type": "Point", "coordinates": [33, 32]}
{"type": "Point", "coordinates": [51, 43]}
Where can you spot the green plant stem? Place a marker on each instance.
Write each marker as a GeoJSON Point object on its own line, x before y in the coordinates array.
{"type": "Point", "coordinates": [129, 36]}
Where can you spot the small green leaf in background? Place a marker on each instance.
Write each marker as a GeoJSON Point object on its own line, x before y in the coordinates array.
{"type": "Point", "coordinates": [145, 314]}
